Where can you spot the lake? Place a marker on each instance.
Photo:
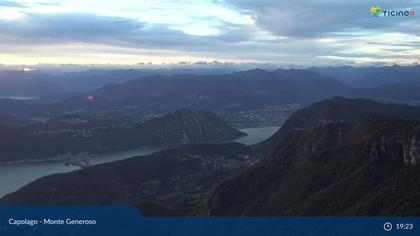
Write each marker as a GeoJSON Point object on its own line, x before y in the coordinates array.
{"type": "Point", "coordinates": [21, 98]}
{"type": "Point", "coordinates": [13, 177]}
{"type": "Point", "coordinates": [256, 135]}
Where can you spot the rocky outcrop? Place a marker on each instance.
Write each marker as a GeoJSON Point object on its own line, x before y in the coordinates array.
{"type": "Point", "coordinates": [412, 148]}
{"type": "Point", "coordinates": [358, 163]}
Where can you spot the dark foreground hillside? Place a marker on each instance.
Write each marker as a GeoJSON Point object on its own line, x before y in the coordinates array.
{"type": "Point", "coordinates": [172, 182]}
{"type": "Point", "coordinates": [334, 158]}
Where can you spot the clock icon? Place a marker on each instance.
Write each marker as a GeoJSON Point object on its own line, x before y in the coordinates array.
{"type": "Point", "coordinates": [387, 226]}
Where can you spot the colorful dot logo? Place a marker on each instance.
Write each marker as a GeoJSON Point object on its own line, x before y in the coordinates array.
{"type": "Point", "coordinates": [378, 11]}
{"type": "Point", "coordinates": [375, 11]}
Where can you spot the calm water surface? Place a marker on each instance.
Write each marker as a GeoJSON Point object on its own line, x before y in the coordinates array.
{"type": "Point", "coordinates": [13, 177]}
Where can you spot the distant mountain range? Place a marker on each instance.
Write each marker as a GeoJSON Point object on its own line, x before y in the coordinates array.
{"type": "Point", "coordinates": [246, 90]}
{"type": "Point", "coordinates": [49, 139]}
{"type": "Point", "coordinates": [44, 84]}
{"type": "Point", "coordinates": [371, 77]}
{"type": "Point", "coordinates": [19, 83]}
{"type": "Point", "coordinates": [336, 157]}
{"type": "Point", "coordinates": [238, 91]}
{"type": "Point", "coordinates": [256, 88]}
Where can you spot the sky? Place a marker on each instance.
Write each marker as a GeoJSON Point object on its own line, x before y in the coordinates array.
{"type": "Point", "coordinates": [281, 32]}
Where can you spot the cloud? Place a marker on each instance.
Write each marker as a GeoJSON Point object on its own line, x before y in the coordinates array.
{"type": "Point", "coordinates": [46, 29]}
{"type": "Point", "coordinates": [285, 32]}
{"type": "Point", "coordinates": [5, 3]}
{"type": "Point", "coordinates": [301, 18]}
{"type": "Point", "coordinates": [68, 27]}
{"type": "Point", "coordinates": [341, 30]}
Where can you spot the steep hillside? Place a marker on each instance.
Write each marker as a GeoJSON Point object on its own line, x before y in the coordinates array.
{"type": "Point", "coordinates": [327, 160]}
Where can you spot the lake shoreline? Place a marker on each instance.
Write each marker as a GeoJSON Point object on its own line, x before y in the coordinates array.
{"type": "Point", "coordinates": [14, 176]}
{"type": "Point", "coordinates": [58, 159]}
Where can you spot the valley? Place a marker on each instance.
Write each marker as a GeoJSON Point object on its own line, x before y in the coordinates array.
{"type": "Point", "coordinates": [326, 159]}
{"type": "Point", "coordinates": [210, 144]}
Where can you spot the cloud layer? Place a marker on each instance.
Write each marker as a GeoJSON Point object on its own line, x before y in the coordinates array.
{"type": "Point", "coordinates": [321, 32]}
